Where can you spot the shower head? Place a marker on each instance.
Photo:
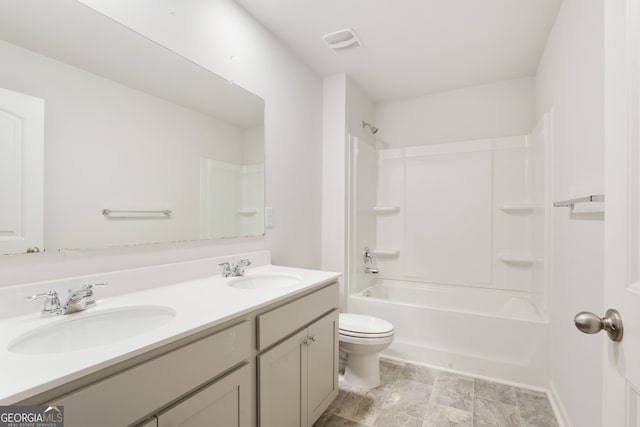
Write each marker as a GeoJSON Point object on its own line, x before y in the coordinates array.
{"type": "Point", "coordinates": [373, 129]}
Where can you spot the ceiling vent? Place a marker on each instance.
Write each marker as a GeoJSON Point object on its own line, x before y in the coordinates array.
{"type": "Point", "coordinates": [342, 39]}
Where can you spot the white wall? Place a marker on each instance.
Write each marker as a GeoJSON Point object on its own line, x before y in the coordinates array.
{"type": "Point", "coordinates": [360, 108]}
{"type": "Point", "coordinates": [333, 172]}
{"type": "Point", "coordinates": [476, 112]}
{"type": "Point", "coordinates": [570, 80]}
{"type": "Point", "coordinates": [222, 37]}
{"type": "Point", "coordinates": [345, 106]}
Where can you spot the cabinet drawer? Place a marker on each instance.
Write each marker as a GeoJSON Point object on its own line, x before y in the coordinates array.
{"type": "Point", "coordinates": [284, 320]}
{"type": "Point", "coordinates": [157, 382]}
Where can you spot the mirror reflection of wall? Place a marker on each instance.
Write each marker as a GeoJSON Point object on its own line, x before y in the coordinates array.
{"type": "Point", "coordinates": [231, 194]}
{"type": "Point", "coordinates": [179, 139]}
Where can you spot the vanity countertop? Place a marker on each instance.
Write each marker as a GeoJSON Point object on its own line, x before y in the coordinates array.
{"type": "Point", "coordinates": [198, 304]}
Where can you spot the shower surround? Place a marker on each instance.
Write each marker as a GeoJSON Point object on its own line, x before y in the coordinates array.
{"type": "Point", "coordinates": [460, 234]}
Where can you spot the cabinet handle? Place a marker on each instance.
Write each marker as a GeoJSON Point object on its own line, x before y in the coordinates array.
{"type": "Point", "coordinates": [309, 340]}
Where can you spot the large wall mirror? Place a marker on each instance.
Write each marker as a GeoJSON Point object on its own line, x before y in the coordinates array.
{"type": "Point", "coordinates": [109, 139]}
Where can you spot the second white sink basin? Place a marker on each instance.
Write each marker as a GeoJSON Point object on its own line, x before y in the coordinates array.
{"type": "Point", "coordinates": [91, 329]}
{"type": "Point", "coordinates": [264, 281]}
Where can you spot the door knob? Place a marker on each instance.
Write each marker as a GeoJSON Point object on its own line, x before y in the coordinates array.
{"type": "Point", "coordinates": [589, 323]}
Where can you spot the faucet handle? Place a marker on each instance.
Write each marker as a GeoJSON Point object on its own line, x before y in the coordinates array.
{"type": "Point", "coordinates": [89, 292]}
{"type": "Point", "coordinates": [48, 294]}
{"type": "Point", "coordinates": [238, 269]}
{"type": "Point", "coordinates": [52, 305]}
{"type": "Point", "coordinates": [226, 269]}
{"type": "Point", "coordinates": [93, 285]}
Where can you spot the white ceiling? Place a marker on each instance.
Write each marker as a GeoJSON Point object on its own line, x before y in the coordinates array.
{"type": "Point", "coordinates": [414, 47]}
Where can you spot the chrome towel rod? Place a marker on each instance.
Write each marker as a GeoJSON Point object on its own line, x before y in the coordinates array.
{"type": "Point", "coordinates": [571, 202]}
{"type": "Point", "coordinates": [107, 212]}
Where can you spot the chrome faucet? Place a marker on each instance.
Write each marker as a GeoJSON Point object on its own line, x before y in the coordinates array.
{"type": "Point", "coordinates": [369, 270]}
{"type": "Point", "coordinates": [234, 270]}
{"type": "Point", "coordinates": [79, 300]}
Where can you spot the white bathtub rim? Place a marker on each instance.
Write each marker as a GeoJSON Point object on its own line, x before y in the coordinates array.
{"type": "Point", "coordinates": [447, 287]}
{"type": "Point", "coordinates": [544, 317]}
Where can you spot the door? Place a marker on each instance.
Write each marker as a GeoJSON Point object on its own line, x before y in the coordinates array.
{"type": "Point", "coordinates": [223, 403]}
{"type": "Point", "coordinates": [281, 375]}
{"type": "Point", "coordinates": [621, 368]}
{"type": "Point", "coordinates": [322, 357]}
{"type": "Point", "coordinates": [21, 171]}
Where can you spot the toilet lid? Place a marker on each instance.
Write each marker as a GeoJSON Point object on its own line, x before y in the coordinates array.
{"type": "Point", "coordinates": [365, 325]}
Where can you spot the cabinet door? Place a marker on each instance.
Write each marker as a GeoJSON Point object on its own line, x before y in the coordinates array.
{"type": "Point", "coordinates": [223, 403]}
{"type": "Point", "coordinates": [281, 373]}
{"type": "Point", "coordinates": [322, 357]}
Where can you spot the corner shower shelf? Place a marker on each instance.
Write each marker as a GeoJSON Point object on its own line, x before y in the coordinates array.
{"type": "Point", "coordinates": [519, 259]}
{"type": "Point", "coordinates": [519, 207]}
{"type": "Point", "coordinates": [387, 252]}
{"type": "Point", "coordinates": [386, 209]}
{"type": "Point", "coordinates": [247, 212]}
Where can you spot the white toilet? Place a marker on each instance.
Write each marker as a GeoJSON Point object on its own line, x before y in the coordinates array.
{"type": "Point", "coordinates": [362, 338]}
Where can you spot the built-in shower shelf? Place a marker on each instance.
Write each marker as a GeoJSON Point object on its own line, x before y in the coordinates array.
{"type": "Point", "coordinates": [520, 259]}
{"type": "Point", "coordinates": [247, 212]}
{"type": "Point", "coordinates": [381, 210]}
{"type": "Point", "coordinates": [519, 207]}
{"type": "Point", "coordinates": [387, 252]}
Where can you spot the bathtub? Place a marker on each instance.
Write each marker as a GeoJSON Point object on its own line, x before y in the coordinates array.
{"type": "Point", "coordinates": [492, 333]}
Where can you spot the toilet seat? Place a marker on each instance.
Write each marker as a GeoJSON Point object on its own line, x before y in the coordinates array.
{"type": "Point", "coordinates": [362, 326]}
{"type": "Point", "coordinates": [368, 341]}
{"type": "Point", "coordinates": [364, 335]}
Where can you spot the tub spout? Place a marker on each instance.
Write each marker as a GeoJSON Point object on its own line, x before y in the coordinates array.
{"type": "Point", "coordinates": [369, 270]}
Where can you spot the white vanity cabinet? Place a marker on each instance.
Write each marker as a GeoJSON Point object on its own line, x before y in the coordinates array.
{"type": "Point", "coordinates": [298, 377]}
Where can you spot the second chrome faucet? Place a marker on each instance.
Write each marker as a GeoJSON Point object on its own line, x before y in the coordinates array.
{"type": "Point", "coordinates": [234, 270]}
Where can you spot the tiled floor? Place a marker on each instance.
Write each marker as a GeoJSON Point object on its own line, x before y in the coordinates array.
{"type": "Point", "coordinates": [417, 396]}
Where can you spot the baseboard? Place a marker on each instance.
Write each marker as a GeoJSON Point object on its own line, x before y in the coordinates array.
{"type": "Point", "coordinates": [558, 407]}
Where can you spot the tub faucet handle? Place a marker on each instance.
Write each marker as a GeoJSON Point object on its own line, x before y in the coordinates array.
{"type": "Point", "coordinates": [369, 270]}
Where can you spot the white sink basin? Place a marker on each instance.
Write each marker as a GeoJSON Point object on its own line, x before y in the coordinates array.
{"type": "Point", "coordinates": [264, 281]}
{"type": "Point", "coordinates": [91, 329]}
